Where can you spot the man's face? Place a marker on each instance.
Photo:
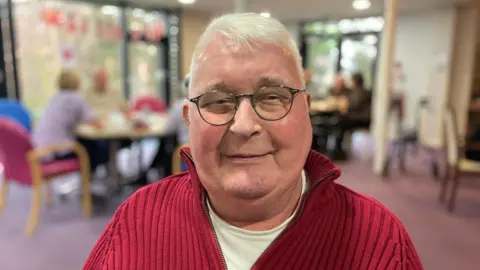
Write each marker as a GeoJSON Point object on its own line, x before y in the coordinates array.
{"type": "Point", "coordinates": [100, 82]}
{"type": "Point", "coordinates": [221, 153]}
{"type": "Point", "coordinates": [338, 83]}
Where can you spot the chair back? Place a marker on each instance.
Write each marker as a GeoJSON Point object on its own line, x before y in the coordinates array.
{"type": "Point", "coordinates": [452, 140]}
{"type": "Point", "coordinates": [14, 146]}
{"type": "Point", "coordinates": [16, 111]}
{"type": "Point", "coordinates": [150, 103]}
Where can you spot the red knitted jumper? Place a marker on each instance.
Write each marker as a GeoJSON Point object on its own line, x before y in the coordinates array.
{"type": "Point", "coordinates": [166, 226]}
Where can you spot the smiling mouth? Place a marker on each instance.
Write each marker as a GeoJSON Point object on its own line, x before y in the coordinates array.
{"type": "Point", "coordinates": [247, 156]}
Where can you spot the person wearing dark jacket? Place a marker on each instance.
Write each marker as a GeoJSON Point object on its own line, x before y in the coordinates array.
{"type": "Point", "coordinates": [358, 115]}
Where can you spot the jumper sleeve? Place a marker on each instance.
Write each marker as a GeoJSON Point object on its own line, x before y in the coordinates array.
{"type": "Point", "coordinates": [104, 251]}
{"type": "Point", "coordinates": [409, 257]}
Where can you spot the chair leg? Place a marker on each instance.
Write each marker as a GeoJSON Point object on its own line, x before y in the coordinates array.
{"type": "Point", "coordinates": [48, 195]}
{"type": "Point", "coordinates": [35, 208]}
{"type": "Point", "coordinates": [454, 191]}
{"type": "Point", "coordinates": [86, 192]}
{"type": "Point", "coordinates": [386, 168]}
{"type": "Point", "coordinates": [401, 156]}
{"type": "Point", "coordinates": [434, 170]}
{"type": "Point", "coordinates": [445, 183]}
{"type": "Point", "coordinates": [3, 194]}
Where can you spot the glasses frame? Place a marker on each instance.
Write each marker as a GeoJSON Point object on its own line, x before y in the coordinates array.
{"type": "Point", "coordinates": [238, 97]}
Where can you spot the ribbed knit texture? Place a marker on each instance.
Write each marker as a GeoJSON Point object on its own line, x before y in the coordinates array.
{"type": "Point", "coordinates": [165, 226]}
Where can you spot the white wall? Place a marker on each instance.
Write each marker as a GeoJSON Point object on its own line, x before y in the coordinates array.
{"type": "Point", "coordinates": [193, 25]}
{"type": "Point", "coordinates": [424, 48]}
{"type": "Point", "coordinates": [295, 31]}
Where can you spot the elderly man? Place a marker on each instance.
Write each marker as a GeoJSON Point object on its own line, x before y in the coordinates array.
{"type": "Point", "coordinates": [104, 100]}
{"type": "Point", "coordinates": [255, 195]}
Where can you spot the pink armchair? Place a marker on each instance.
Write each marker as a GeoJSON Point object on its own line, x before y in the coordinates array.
{"type": "Point", "coordinates": [22, 164]}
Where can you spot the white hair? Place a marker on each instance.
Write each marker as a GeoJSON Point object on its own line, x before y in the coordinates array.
{"type": "Point", "coordinates": [246, 30]}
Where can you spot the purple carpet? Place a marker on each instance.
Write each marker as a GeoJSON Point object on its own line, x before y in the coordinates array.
{"type": "Point", "coordinates": [64, 238]}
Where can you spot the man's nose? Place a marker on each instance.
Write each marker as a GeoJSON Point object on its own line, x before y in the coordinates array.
{"type": "Point", "coordinates": [246, 119]}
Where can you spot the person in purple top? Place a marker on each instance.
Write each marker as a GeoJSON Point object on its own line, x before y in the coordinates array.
{"type": "Point", "coordinates": [63, 113]}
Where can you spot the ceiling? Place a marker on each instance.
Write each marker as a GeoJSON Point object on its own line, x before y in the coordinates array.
{"type": "Point", "coordinates": [287, 10]}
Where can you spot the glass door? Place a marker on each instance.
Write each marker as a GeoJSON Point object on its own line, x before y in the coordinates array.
{"type": "Point", "coordinates": [322, 59]}
{"type": "Point", "coordinates": [359, 54]}
{"type": "Point", "coordinates": [147, 74]}
{"type": "Point", "coordinates": [147, 52]}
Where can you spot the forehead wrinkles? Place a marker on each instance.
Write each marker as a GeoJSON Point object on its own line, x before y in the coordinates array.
{"type": "Point", "coordinates": [229, 48]}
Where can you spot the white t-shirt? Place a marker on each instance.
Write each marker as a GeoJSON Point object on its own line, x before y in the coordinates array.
{"type": "Point", "coordinates": [241, 248]}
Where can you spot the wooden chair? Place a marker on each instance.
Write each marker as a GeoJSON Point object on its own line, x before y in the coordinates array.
{"type": "Point", "coordinates": [23, 164]}
{"type": "Point", "coordinates": [457, 164]}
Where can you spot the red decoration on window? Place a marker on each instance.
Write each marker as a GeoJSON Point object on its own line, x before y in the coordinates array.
{"type": "Point", "coordinates": [49, 16]}
{"type": "Point", "coordinates": [67, 55]}
{"type": "Point", "coordinates": [71, 24]}
{"type": "Point", "coordinates": [58, 18]}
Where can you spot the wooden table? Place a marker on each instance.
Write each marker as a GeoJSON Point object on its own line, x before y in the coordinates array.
{"type": "Point", "coordinates": [330, 104]}
{"type": "Point", "coordinates": [117, 128]}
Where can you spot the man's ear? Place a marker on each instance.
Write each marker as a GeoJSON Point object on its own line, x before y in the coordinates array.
{"type": "Point", "coordinates": [186, 114]}
{"type": "Point", "coordinates": [308, 99]}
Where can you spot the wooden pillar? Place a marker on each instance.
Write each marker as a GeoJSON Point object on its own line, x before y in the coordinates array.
{"type": "Point", "coordinates": [383, 91]}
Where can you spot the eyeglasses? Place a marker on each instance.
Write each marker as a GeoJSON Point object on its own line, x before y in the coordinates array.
{"type": "Point", "coordinates": [270, 103]}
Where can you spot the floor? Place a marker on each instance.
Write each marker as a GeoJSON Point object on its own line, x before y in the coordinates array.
{"type": "Point", "coordinates": [444, 241]}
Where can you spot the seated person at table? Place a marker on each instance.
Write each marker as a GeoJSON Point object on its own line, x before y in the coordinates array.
{"type": "Point", "coordinates": [175, 123]}
{"type": "Point", "coordinates": [177, 133]}
{"type": "Point", "coordinates": [63, 113]}
{"type": "Point", "coordinates": [103, 100]}
{"type": "Point", "coordinates": [338, 94]}
{"type": "Point", "coordinates": [358, 114]}
{"type": "Point", "coordinates": [310, 85]}
{"type": "Point", "coordinates": [338, 87]}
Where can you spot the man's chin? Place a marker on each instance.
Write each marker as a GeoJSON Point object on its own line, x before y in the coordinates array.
{"type": "Point", "coordinates": [247, 191]}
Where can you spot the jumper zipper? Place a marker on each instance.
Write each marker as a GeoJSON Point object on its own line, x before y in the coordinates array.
{"type": "Point", "coordinates": [205, 209]}
{"type": "Point", "coordinates": [297, 216]}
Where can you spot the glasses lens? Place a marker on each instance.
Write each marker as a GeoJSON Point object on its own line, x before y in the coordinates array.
{"type": "Point", "coordinates": [272, 103]}
{"type": "Point", "coordinates": [216, 108]}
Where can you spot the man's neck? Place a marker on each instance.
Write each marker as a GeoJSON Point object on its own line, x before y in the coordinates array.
{"type": "Point", "coordinates": [262, 214]}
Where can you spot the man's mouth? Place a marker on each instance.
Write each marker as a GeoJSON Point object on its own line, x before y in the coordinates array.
{"type": "Point", "coordinates": [247, 156]}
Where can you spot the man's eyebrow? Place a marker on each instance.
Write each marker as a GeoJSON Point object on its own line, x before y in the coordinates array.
{"type": "Point", "coordinates": [270, 81]}
{"type": "Point", "coordinates": [218, 86]}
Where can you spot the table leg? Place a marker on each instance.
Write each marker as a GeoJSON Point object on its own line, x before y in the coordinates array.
{"type": "Point", "coordinates": [114, 178]}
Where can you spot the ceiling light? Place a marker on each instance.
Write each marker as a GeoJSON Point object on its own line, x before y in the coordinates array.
{"type": "Point", "coordinates": [361, 4]}
{"type": "Point", "coordinates": [370, 39]}
{"type": "Point", "coordinates": [186, 2]}
{"type": "Point", "coordinates": [265, 14]}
